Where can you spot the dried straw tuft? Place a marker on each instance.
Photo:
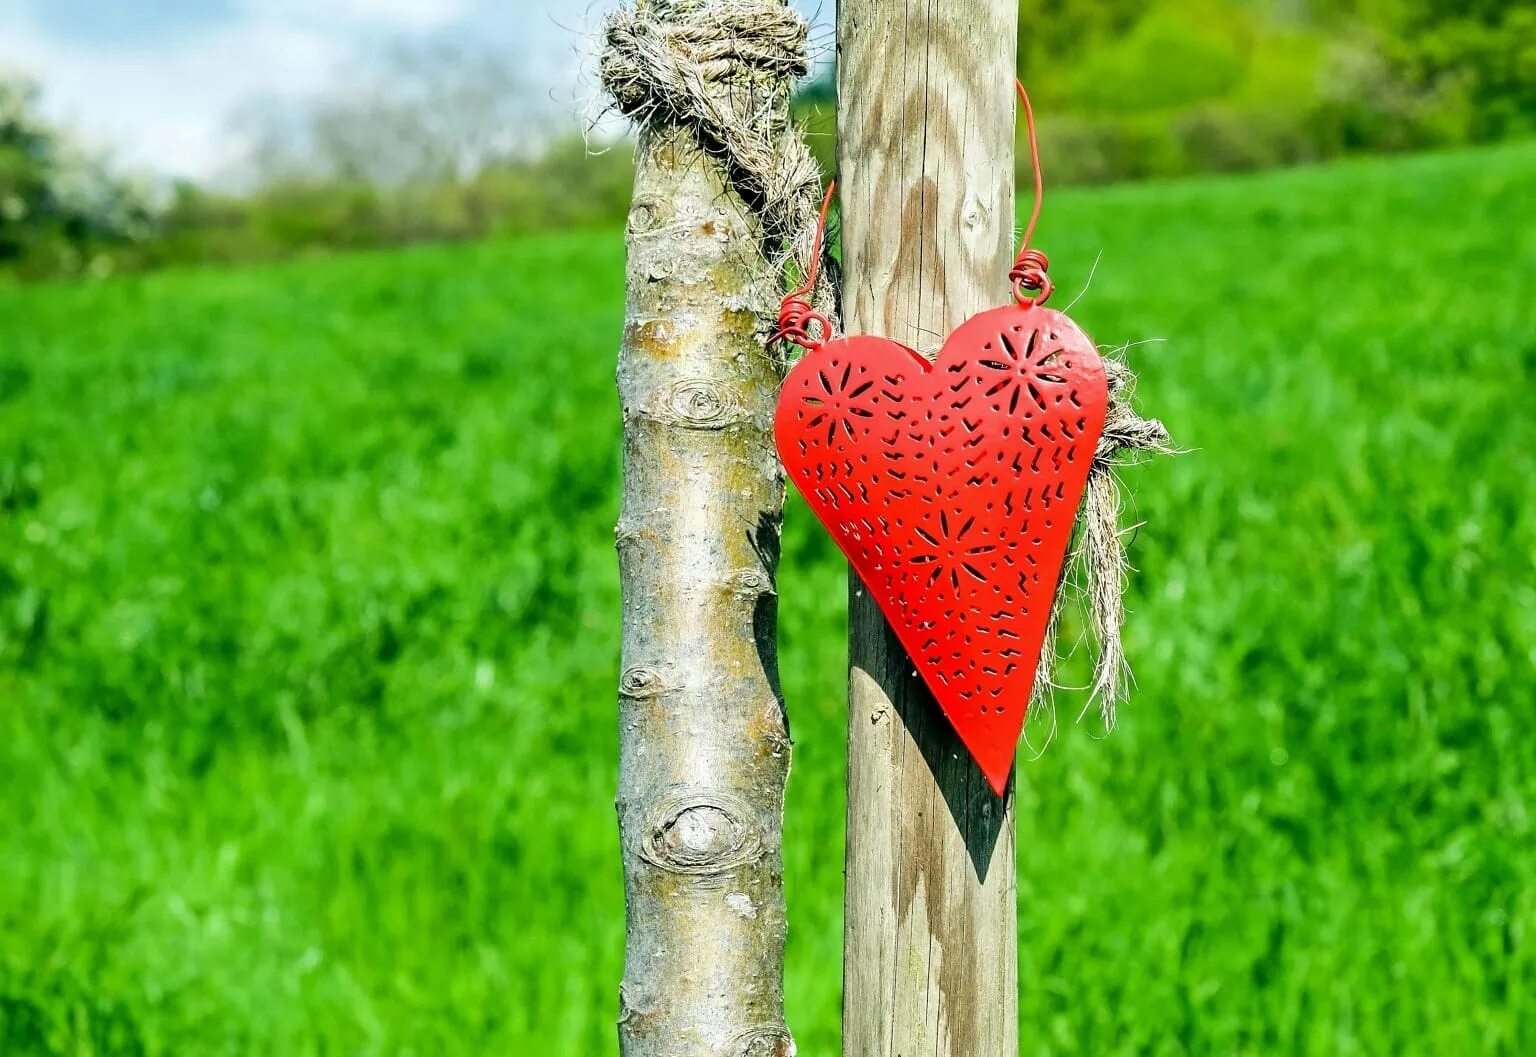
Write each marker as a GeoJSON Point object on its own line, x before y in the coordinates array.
{"type": "Point", "coordinates": [1098, 560]}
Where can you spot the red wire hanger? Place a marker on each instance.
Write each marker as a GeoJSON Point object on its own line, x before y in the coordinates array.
{"type": "Point", "coordinates": [1030, 266]}
{"type": "Point", "coordinates": [797, 316]}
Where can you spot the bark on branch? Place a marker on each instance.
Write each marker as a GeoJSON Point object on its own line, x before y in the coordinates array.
{"type": "Point", "coordinates": [704, 747]}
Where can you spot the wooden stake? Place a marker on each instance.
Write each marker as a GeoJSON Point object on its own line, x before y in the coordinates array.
{"type": "Point", "coordinates": [704, 751]}
{"type": "Point", "coordinates": [925, 159]}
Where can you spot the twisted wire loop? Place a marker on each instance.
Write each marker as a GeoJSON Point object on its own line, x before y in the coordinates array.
{"type": "Point", "coordinates": [1029, 274]}
{"type": "Point", "coordinates": [688, 69]}
{"type": "Point", "coordinates": [796, 317]}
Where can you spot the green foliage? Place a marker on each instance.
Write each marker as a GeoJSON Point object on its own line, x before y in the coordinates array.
{"type": "Point", "coordinates": [1480, 52]}
{"type": "Point", "coordinates": [60, 210]}
{"type": "Point", "coordinates": [1050, 33]}
{"type": "Point", "coordinates": [1215, 85]}
{"type": "Point", "coordinates": [1106, 56]}
{"type": "Point", "coordinates": [309, 634]}
{"type": "Point", "coordinates": [1170, 58]}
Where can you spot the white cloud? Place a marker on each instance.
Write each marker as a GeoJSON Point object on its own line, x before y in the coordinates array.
{"type": "Point", "coordinates": [165, 105]}
{"type": "Point", "coordinates": [166, 109]}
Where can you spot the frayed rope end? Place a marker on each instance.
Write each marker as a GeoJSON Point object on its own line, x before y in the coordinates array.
{"type": "Point", "coordinates": [1098, 562]}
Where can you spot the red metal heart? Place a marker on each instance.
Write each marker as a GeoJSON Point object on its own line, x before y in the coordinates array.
{"type": "Point", "coordinates": [952, 487]}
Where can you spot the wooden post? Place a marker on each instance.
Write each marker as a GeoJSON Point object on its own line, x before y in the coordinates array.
{"type": "Point", "coordinates": [704, 751]}
{"type": "Point", "coordinates": [925, 160]}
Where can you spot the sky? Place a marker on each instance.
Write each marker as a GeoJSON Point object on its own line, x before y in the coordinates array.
{"type": "Point", "coordinates": [157, 82]}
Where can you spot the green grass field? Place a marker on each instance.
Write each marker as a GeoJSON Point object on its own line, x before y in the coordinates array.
{"type": "Point", "coordinates": [308, 648]}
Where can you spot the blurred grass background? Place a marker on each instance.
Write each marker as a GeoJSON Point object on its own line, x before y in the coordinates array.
{"type": "Point", "coordinates": [309, 618]}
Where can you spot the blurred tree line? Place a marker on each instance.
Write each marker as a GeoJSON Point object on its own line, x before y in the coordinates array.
{"type": "Point", "coordinates": [435, 142]}
{"type": "Point", "coordinates": [431, 141]}
{"type": "Point", "coordinates": [59, 205]}
{"type": "Point", "coordinates": [445, 142]}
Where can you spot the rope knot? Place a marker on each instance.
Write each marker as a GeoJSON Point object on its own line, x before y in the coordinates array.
{"type": "Point", "coordinates": [667, 68]}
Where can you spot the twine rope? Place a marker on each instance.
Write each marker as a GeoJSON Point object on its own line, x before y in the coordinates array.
{"type": "Point", "coordinates": [723, 69]}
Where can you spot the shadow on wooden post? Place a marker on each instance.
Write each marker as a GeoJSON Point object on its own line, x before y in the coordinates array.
{"type": "Point", "coordinates": [975, 810]}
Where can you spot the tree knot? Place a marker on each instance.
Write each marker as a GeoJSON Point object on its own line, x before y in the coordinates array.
{"type": "Point", "coordinates": [700, 833]}
{"type": "Point", "coordinates": [699, 403]}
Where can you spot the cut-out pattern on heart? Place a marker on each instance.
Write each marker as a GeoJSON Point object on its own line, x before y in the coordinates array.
{"type": "Point", "coordinates": [952, 488]}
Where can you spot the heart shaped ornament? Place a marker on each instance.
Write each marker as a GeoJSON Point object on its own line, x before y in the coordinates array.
{"type": "Point", "coordinates": [952, 487]}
